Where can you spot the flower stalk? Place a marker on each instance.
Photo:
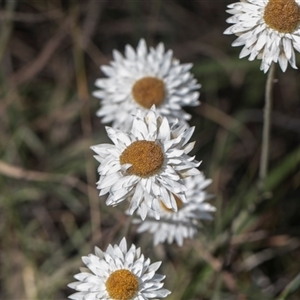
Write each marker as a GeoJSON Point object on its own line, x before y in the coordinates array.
{"type": "Point", "coordinates": [264, 158]}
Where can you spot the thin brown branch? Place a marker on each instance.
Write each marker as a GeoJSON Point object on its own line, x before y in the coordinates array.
{"type": "Point", "coordinates": [216, 265]}
{"type": "Point", "coordinates": [35, 66]}
{"type": "Point", "coordinates": [19, 173]}
{"type": "Point", "coordinates": [32, 17]}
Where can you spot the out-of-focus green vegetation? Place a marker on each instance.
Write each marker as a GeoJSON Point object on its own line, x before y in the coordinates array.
{"type": "Point", "coordinates": [50, 211]}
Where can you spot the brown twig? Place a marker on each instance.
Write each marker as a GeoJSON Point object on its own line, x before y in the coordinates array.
{"type": "Point", "coordinates": [217, 267]}
{"type": "Point", "coordinates": [31, 17]}
{"type": "Point", "coordinates": [35, 66]}
{"type": "Point", "coordinates": [19, 173]}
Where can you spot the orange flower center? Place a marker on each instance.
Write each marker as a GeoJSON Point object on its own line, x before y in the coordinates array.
{"type": "Point", "coordinates": [282, 15]}
{"type": "Point", "coordinates": [146, 158]}
{"type": "Point", "coordinates": [121, 285]}
{"type": "Point", "coordinates": [148, 91]}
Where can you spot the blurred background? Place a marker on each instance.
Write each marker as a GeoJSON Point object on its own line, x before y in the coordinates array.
{"type": "Point", "coordinates": [50, 211]}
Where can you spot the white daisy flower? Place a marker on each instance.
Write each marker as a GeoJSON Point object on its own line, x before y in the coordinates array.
{"type": "Point", "coordinates": [146, 164]}
{"type": "Point", "coordinates": [268, 29]}
{"type": "Point", "coordinates": [144, 78]}
{"type": "Point", "coordinates": [118, 274]}
{"type": "Point", "coordinates": [176, 226]}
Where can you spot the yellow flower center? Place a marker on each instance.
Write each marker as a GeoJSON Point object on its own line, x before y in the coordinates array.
{"type": "Point", "coordinates": [148, 91]}
{"type": "Point", "coordinates": [146, 158]}
{"type": "Point", "coordinates": [121, 285]}
{"type": "Point", "coordinates": [178, 202]}
{"type": "Point", "coordinates": [282, 15]}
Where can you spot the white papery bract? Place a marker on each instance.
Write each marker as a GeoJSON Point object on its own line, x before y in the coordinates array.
{"type": "Point", "coordinates": [177, 226]}
{"type": "Point", "coordinates": [268, 29]}
{"type": "Point", "coordinates": [143, 78]}
{"type": "Point", "coordinates": [118, 273]}
{"type": "Point", "coordinates": [147, 164]}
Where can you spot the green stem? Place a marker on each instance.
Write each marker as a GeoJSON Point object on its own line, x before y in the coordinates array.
{"type": "Point", "coordinates": [264, 158]}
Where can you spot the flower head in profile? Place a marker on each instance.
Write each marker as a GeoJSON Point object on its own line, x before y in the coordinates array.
{"type": "Point", "coordinates": [143, 78]}
{"type": "Point", "coordinates": [268, 30]}
{"type": "Point", "coordinates": [147, 164]}
{"type": "Point", "coordinates": [119, 274]}
{"type": "Point", "coordinates": [176, 226]}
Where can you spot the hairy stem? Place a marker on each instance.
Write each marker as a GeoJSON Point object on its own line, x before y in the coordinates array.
{"type": "Point", "coordinates": [264, 158]}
